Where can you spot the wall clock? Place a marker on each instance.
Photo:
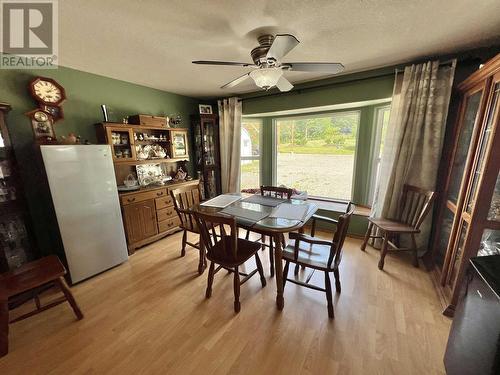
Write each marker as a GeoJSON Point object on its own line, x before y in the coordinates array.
{"type": "Point", "coordinates": [47, 91]}
{"type": "Point", "coordinates": [42, 124]}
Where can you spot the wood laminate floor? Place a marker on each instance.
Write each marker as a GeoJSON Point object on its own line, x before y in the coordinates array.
{"type": "Point", "coordinates": [150, 316]}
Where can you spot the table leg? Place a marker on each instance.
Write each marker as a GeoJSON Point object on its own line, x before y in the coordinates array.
{"type": "Point", "coordinates": [278, 254]}
{"type": "Point", "coordinates": [4, 327]}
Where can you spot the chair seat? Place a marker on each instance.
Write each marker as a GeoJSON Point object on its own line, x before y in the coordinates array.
{"type": "Point", "coordinates": [246, 249]}
{"type": "Point", "coordinates": [393, 226]}
{"type": "Point", "coordinates": [32, 275]}
{"type": "Point", "coordinates": [315, 256]}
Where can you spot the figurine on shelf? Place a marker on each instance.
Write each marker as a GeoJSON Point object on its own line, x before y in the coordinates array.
{"type": "Point", "coordinates": [71, 139]}
{"type": "Point", "coordinates": [180, 175]}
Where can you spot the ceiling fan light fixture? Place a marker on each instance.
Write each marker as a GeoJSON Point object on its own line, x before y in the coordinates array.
{"type": "Point", "coordinates": [266, 78]}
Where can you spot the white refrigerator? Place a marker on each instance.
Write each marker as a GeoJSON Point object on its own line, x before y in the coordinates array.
{"type": "Point", "coordinates": [83, 188]}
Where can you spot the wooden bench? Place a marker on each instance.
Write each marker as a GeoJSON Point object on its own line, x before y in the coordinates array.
{"type": "Point", "coordinates": [31, 278]}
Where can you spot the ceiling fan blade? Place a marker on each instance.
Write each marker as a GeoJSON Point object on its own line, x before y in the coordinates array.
{"type": "Point", "coordinates": [283, 84]}
{"type": "Point", "coordinates": [332, 68]}
{"type": "Point", "coordinates": [282, 44]}
{"type": "Point", "coordinates": [236, 81]}
{"type": "Point", "coordinates": [204, 62]}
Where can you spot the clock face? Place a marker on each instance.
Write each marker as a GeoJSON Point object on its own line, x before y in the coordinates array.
{"type": "Point", "coordinates": [40, 116]}
{"type": "Point", "coordinates": [47, 91]}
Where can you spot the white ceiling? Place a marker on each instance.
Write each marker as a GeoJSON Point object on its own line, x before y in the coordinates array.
{"type": "Point", "coordinates": [153, 42]}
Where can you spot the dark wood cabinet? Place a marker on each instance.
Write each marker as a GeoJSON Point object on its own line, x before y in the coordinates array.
{"type": "Point", "coordinates": [468, 211]}
{"type": "Point", "coordinates": [207, 153]}
{"type": "Point", "coordinates": [474, 341]}
{"type": "Point", "coordinates": [17, 241]}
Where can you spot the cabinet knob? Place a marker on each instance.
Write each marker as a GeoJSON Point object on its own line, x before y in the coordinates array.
{"type": "Point", "coordinates": [131, 199]}
{"type": "Point", "coordinates": [160, 193]}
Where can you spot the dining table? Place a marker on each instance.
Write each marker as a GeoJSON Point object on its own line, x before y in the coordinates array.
{"type": "Point", "coordinates": [274, 227]}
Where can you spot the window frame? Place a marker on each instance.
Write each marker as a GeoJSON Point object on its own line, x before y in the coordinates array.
{"type": "Point", "coordinates": [357, 110]}
{"type": "Point", "coordinates": [259, 157]}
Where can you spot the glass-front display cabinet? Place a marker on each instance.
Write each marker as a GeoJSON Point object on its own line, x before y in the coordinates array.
{"type": "Point", "coordinates": [207, 153]}
{"type": "Point", "coordinates": [17, 242]}
{"type": "Point", "coordinates": [468, 218]}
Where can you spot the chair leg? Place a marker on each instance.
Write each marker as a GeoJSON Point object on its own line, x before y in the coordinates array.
{"type": "Point", "coordinates": [313, 227]}
{"type": "Point", "coordinates": [383, 252]}
{"type": "Point", "coordinates": [263, 239]}
{"type": "Point", "coordinates": [337, 280]}
{"type": "Point", "coordinates": [415, 250]}
{"type": "Point", "coordinates": [202, 261]}
{"type": "Point", "coordinates": [367, 236]}
{"type": "Point", "coordinates": [329, 297]}
{"type": "Point", "coordinates": [69, 296]}
{"type": "Point", "coordinates": [237, 304]}
{"type": "Point", "coordinates": [184, 239]}
{"type": "Point", "coordinates": [271, 256]}
{"type": "Point", "coordinates": [283, 241]}
{"type": "Point", "coordinates": [247, 236]}
{"type": "Point", "coordinates": [296, 270]}
{"type": "Point", "coordinates": [210, 280]}
{"type": "Point", "coordinates": [285, 273]}
{"type": "Point", "coordinates": [261, 270]}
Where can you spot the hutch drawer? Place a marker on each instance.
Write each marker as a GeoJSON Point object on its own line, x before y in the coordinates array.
{"type": "Point", "coordinates": [144, 196]}
{"type": "Point", "coordinates": [166, 225]}
{"type": "Point", "coordinates": [164, 202]}
{"type": "Point", "coordinates": [166, 213]}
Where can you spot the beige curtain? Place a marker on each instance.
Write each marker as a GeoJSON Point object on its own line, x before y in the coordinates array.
{"type": "Point", "coordinates": [412, 147]}
{"type": "Point", "coordinates": [230, 143]}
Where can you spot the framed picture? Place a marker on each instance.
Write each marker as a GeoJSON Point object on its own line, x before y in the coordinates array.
{"type": "Point", "coordinates": [179, 144]}
{"type": "Point", "coordinates": [205, 109]}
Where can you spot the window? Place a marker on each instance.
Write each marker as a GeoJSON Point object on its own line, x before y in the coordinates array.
{"type": "Point", "coordinates": [250, 153]}
{"type": "Point", "coordinates": [316, 153]}
{"type": "Point", "coordinates": [381, 121]}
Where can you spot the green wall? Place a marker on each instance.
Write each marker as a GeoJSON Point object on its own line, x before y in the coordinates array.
{"type": "Point", "coordinates": [85, 93]}
{"type": "Point", "coordinates": [364, 86]}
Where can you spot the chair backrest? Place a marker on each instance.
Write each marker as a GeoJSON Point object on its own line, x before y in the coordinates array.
{"type": "Point", "coordinates": [184, 198]}
{"type": "Point", "coordinates": [276, 191]}
{"type": "Point", "coordinates": [208, 224]}
{"type": "Point", "coordinates": [415, 204]}
{"type": "Point", "coordinates": [339, 237]}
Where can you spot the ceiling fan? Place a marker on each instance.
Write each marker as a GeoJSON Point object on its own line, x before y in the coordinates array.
{"type": "Point", "coordinates": [267, 59]}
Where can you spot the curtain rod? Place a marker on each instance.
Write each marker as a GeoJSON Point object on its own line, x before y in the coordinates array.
{"type": "Point", "coordinates": [300, 90]}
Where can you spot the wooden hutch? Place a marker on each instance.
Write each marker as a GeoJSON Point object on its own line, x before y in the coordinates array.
{"type": "Point", "coordinates": [468, 211]}
{"type": "Point", "coordinates": [148, 213]}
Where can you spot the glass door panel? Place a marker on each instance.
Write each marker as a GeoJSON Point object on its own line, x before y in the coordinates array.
{"type": "Point", "coordinates": [209, 142]}
{"type": "Point", "coordinates": [444, 238]}
{"type": "Point", "coordinates": [494, 211]}
{"type": "Point", "coordinates": [481, 151]}
{"type": "Point", "coordinates": [122, 143]}
{"type": "Point", "coordinates": [455, 263]}
{"type": "Point", "coordinates": [464, 140]}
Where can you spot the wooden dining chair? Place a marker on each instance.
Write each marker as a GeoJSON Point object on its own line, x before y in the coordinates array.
{"type": "Point", "coordinates": [27, 282]}
{"type": "Point", "coordinates": [184, 198]}
{"type": "Point", "coordinates": [276, 192]}
{"type": "Point", "coordinates": [314, 219]}
{"type": "Point", "coordinates": [228, 251]}
{"type": "Point", "coordinates": [318, 254]}
{"type": "Point", "coordinates": [414, 206]}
